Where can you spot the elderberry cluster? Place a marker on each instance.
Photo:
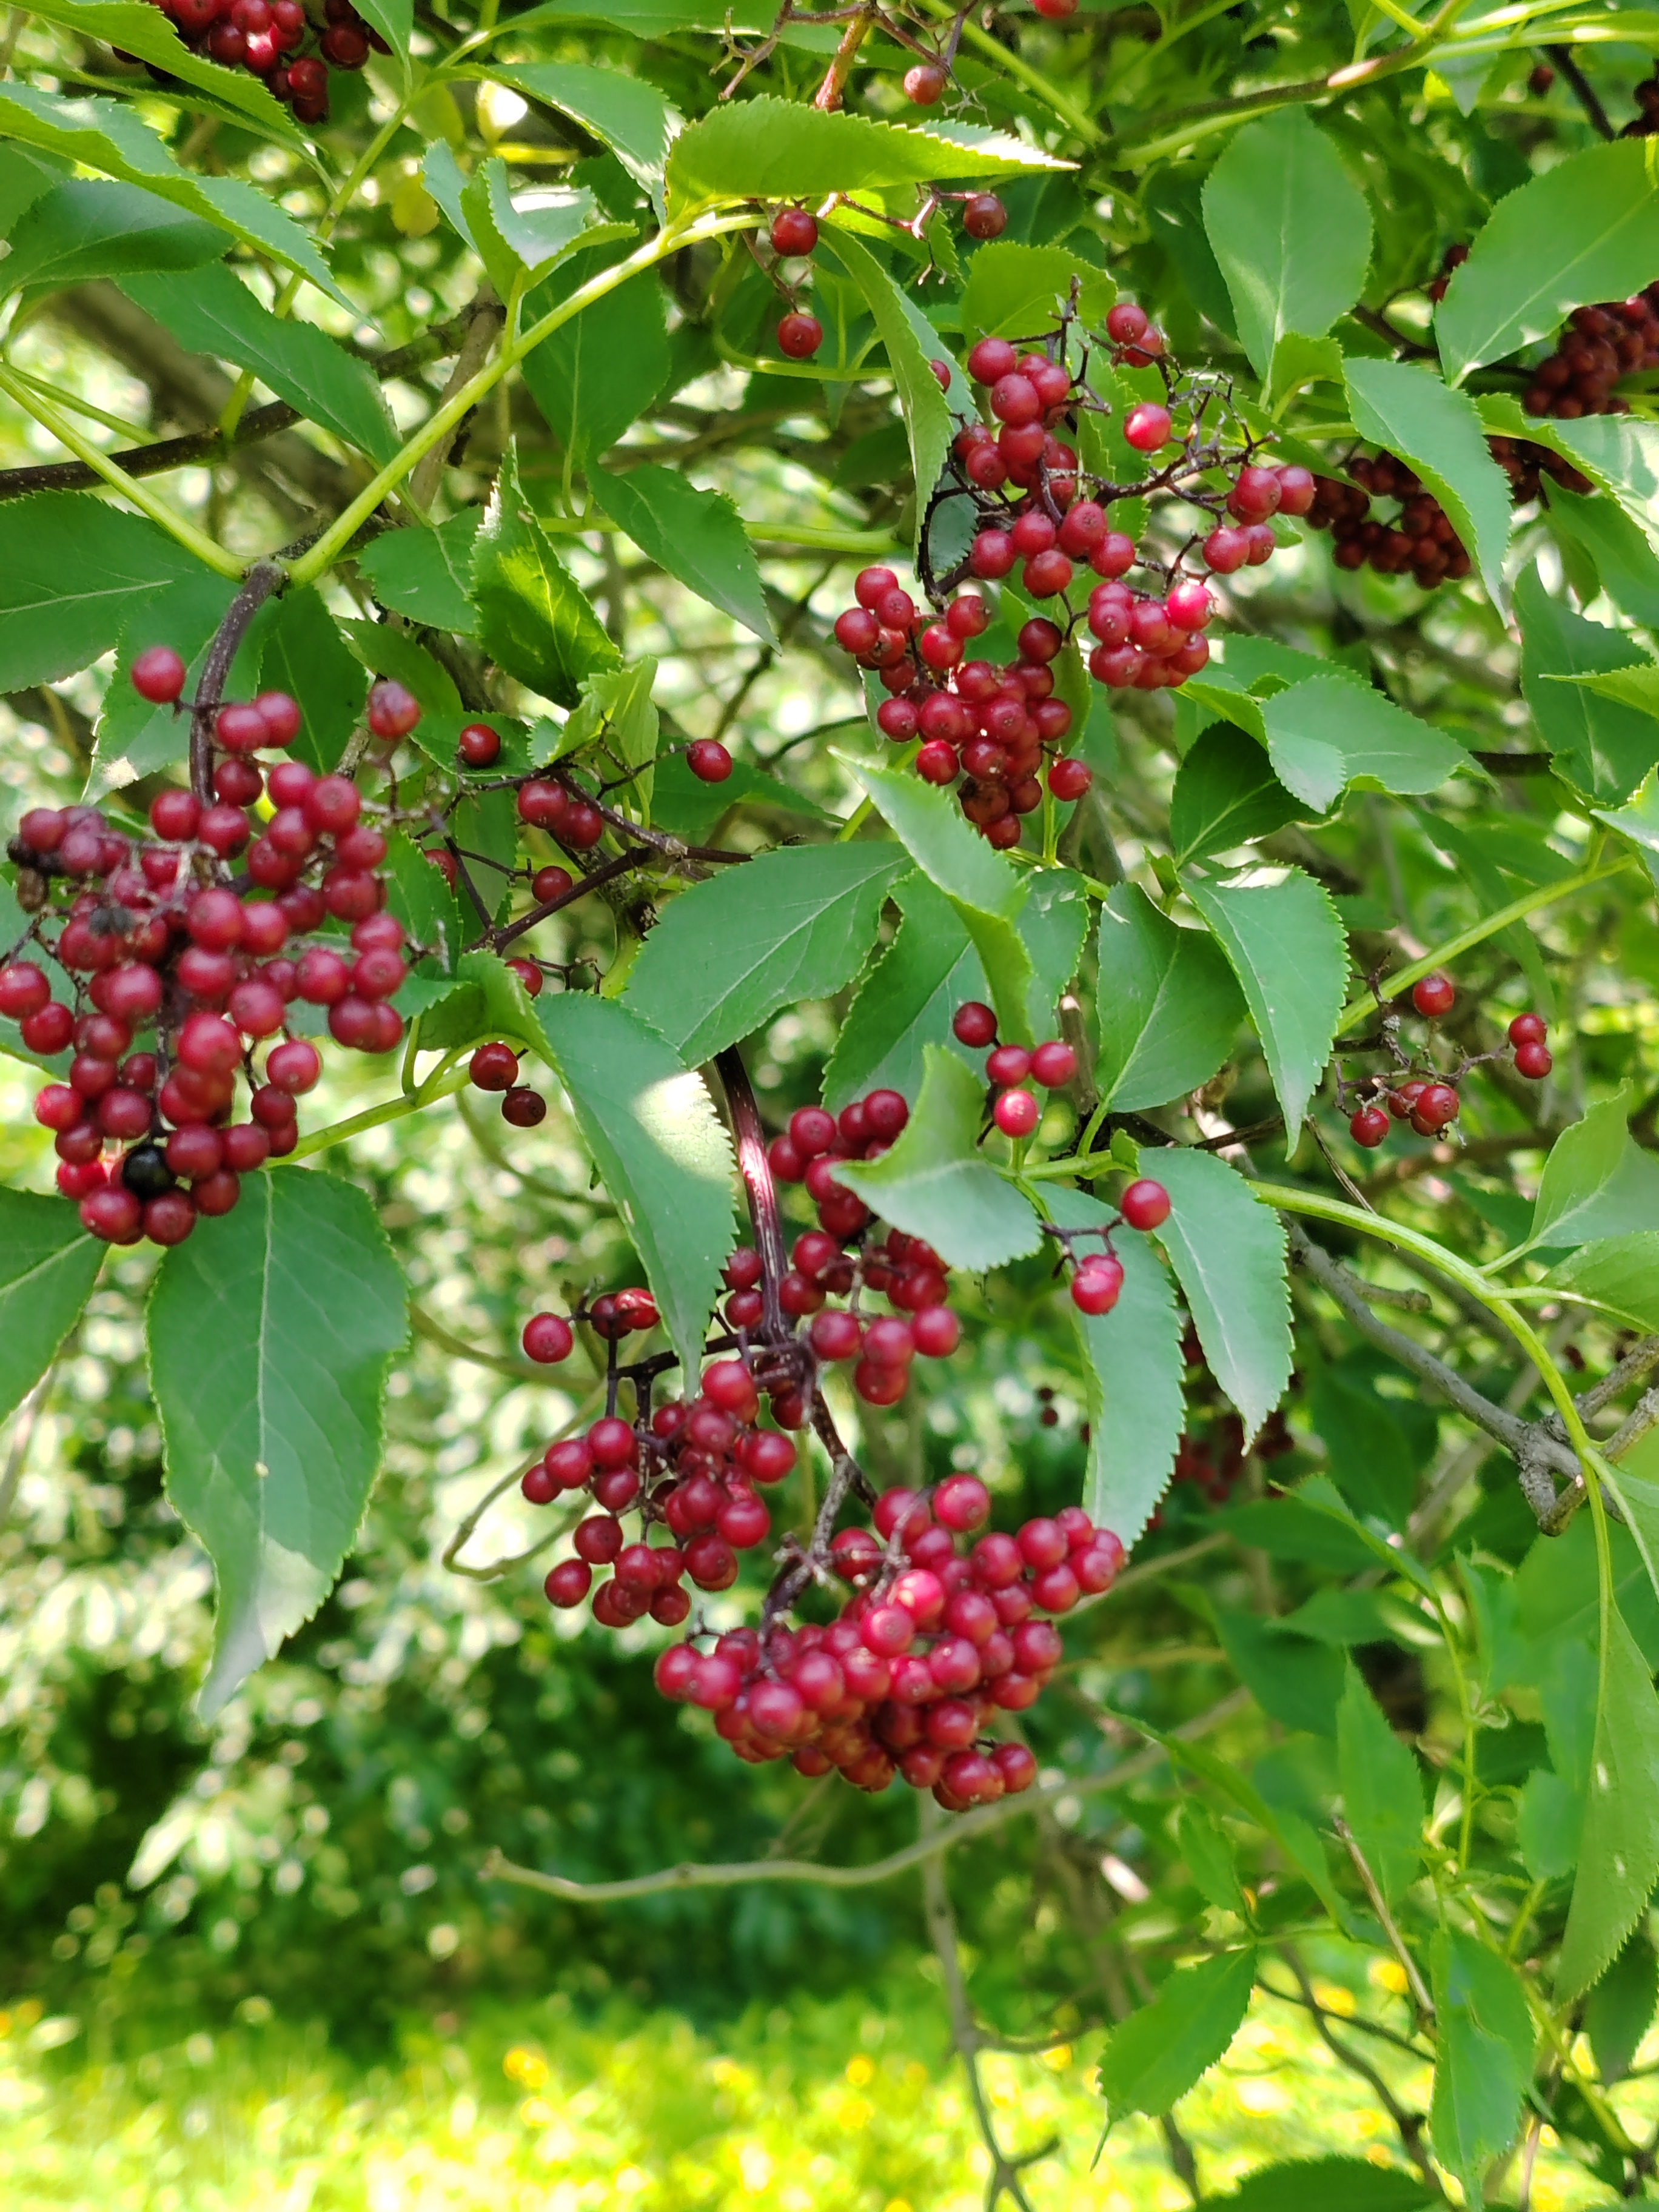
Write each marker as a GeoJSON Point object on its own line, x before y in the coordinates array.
{"type": "Point", "coordinates": [264, 38]}
{"type": "Point", "coordinates": [794, 233]}
{"type": "Point", "coordinates": [1015, 1110]}
{"type": "Point", "coordinates": [930, 1648]}
{"type": "Point", "coordinates": [159, 940]}
{"type": "Point", "coordinates": [1429, 1102]}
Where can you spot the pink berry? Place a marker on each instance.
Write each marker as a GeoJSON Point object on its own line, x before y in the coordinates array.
{"type": "Point", "coordinates": [1145, 1205]}
{"type": "Point", "coordinates": [1146, 428]}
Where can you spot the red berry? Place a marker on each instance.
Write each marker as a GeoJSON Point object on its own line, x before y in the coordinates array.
{"type": "Point", "coordinates": [799, 337]}
{"type": "Point", "coordinates": [925, 85]}
{"type": "Point", "coordinates": [1368, 1127]}
{"type": "Point", "coordinates": [975, 1024]}
{"type": "Point", "coordinates": [158, 675]}
{"type": "Point", "coordinates": [962, 1503]}
{"type": "Point", "coordinates": [1525, 1029]}
{"type": "Point", "coordinates": [990, 359]}
{"type": "Point", "coordinates": [1126, 322]}
{"type": "Point", "coordinates": [548, 1337]}
{"type": "Point", "coordinates": [1145, 1205]}
{"type": "Point", "coordinates": [936, 1332]}
{"type": "Point", "coordinates": [985, 216]}
{"type": "Point", "coordinates": [1053, 1065]}
{"type": "Point", "coordinates": [24, 990]}
{"type": "Point", "coordinates": [241, 729]}
{"type": "Point", "coordinates": [1533, 1061]}
{"type": "Point", "coordinates": [393, 712]}
{"type": "Point", "coordinates": [794, 232]}
{"type": "Point", "coordinates": [523, 1109]}
{"type": "Point", "coordinates": [1226, 550]}
{"type": "Point", "coordinates": [479, 745]}
{"type": "Point", "coordinates": [1069, 778]}
{"type": "Point", "coordinates": [709, 761]}
{"type": "Point", "coordinates": [494, 1068]}
{"type": "Point", "coordinates": [1017, 1113]}
{"type": "Point", "coordinates": [570, 1583]}
{"type": "Point", "coordinates": [281, 715]}
{"type": "Point", "coordinates": [1434, 995]}
{"type": "Point", "coordinates": [1146, 428]}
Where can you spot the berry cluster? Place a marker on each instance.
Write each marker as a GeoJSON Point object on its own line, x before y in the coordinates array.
{"type": "Point", "coordinates": [930, 1648]}
{"type": "Point", "coordinates": [794, 232]}
{"type": "Point", "coordinates": [1429, 1101]}
{"type": "Point", "coordinates": [265, 36]}
{"type": "Point", "coordinates": [1015, 1110]}
{"type": "Point", "coordinates": [1645, 124]}
{"type": "Point", "coordinates": [496, 1066]}
{"type": "Point", "coordinates": [1600, 346]}
{"type": "Point", "coordinates": [1421, 540]}
{"type": "Point", "coordinates": [159, 939]}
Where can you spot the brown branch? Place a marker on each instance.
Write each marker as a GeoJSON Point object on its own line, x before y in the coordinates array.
{"type": "Point", "coordinates": [1409, 2125]}
{"type": "Point", "coordinates": [1567, 62]}
{"type": "Point", "coordinates": [829, 93]}
{"type": "Point", "coordinates": [499, 939]}
{"type": "Point", "coordinates": [264, 578]}
{"type": "Point", "coordinates": [749, 1133]}
{"type": "Point", "coordinates": [485, 319]}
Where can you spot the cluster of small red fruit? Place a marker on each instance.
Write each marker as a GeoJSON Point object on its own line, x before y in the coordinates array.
{"type": "Point", "coordinates": [1015, 1110]}
{"type": "Point", "coordinates": [156, 938]}
{"type": "Point", "coordinates": [263, 36]}
{"type": "Point", "coordinates": [930, 1648]}
{"type": "Point", "coordinates": [794, 234]}
{"type": "Point", "coordinates": [1430, 1104]}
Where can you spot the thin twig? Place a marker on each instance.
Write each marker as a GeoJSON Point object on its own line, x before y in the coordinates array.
{"type": "Point", "coordinates": [264, 578]}
{"type": "Point", "coordinates": [1567, 62]}
{"type": "Point", "coordinates": [1419, 1988]}
{"type": "Point", "coordinates": [1409, 2125]}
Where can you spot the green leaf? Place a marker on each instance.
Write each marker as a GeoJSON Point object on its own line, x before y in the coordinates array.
{"type": "Point", "coordinates": [1225, 794]}
{"type": "Point", "coordinates": [1619, 1852]}
{"type": "Point", "coordinates": [979, 883]}
{"type": "Point", "coordinates": [1014, 291]}
{"type": "Point", "coordinates": [1208, 1851]}
{"type": "Point", "coordinates": [1153, 2058]}
{"type": "Point", "coordinates": [1549, 1821]}
{"type": "Point", "coordinates": [794, 924]}
{"type": "Point", "coordinates": [1281, 932]}
{"type": "Point", "coordinates": [911, 343]}
{"type": "Point", "coordinates": [1053, 925]}
{"type": "Point", "coordinates": [1290, 231]}
{"type": "Point", "coordinates": [1623, 559]}
{"type": "Point", "coordinates": [1620, 1272]}
{"type": "Point", "coordinates": [1228, 1253]}
{"type": "Point", "coordinates": [1323, 733]}
{"type": "Point", "coordinates": [1600, 744]}
{"type": "Point", "coordinates": [523, 237]}
{"type": "Point", "coordinates": [1409, 411]}
{"type": "Point", "coordinates": [48, 1265]}
{"type": "Point", "coordinates": [25, 177]}
{"type": "Point", "coordinates": [133, 27]}
{"type": "Point", "coordinates": [687, 808]}
{"type": "Point", "coordinates": [534, 619]}
{"type": "Point", "coordinates": [624, 113]}
{"type": "Point", "coordinates": [1354, 2184]}
{"type": "Point", "coordinates": [134, 738]}
{"type": "Point", "coordinates": [935, 1184]}
{"type": "Point", "coordinates": [1169, 1007]}
{"type": "Point", "coordinates": [107, 136]}
{"type": "Point", "coordinates": [697, 535]}
{"type": "Point", "coordinates": [74, 572]}
{"type": "Point", "coordinates": [272, 1445]}
{"type": "Point", "coordinates": [1172, 201]}
{"type": "Point", "coordinates": [303, 654]}
{"type": "Point", "coordinates": [1597, 1180]}
{"type": "Point", "coordinates": [775, 149]}
{"type": "Point", "coordinates": [661, 1151]}
{"type": "Point", "coordinates": [489, 1001]}
{"type": "Point", "coordinates": [1134, 1376]}
{"type": "Point", "coordinates": [213, 311]}
{"type": "Point", "coordinates": [426, 574]}
{"type": "Point", "coordinates": [617, 711]}
{"type": "Point", "coordinates": [83, 230]}
{"type": "Point", "coordinates": [1486, 2040]}
{"type": "Point", "coordinates": [1639, 821]}
{"type": "Point", "coordinates": [395, 22]}
{"type": "Point", "coordinates": [1621, 2006]}
{"type": "Point", "coordinates": [907, 1000]}
{"type": "Point", "coordinates": [1584, 230]}
{"type": "Point", "coordinates": [385, 650]}
{"type": "Point", "coordinates": [597, 373]}
{"type": "Point", "coordinates": [418, 894]}
{"type": "Point", "coordinates": [1381, 1790]}
{"type": "Point", "coordinates": [1295, 1682]}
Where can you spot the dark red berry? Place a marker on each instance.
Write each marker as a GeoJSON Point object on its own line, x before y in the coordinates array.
{"type": "Point", "coordinates": [1434, 995]}
{"type": "Point", "coordinates": [1145, 1205]}
{"type": "Point", "coordinates": [158, 675]}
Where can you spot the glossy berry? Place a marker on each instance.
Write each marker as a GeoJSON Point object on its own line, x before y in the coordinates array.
{"type": "Point", "coordinates": [925, 84]}
{"type": "Point", "coordinates": [1069, 778]}
{"type": "Point", "coordinates": [1533, 1060]}
{"type": "Point", "coordinates": [1146, 428]}
{"type": "Point", "coordinates": [523, 1109]}
{"type": "Point", "coordinates": [1097, 1284]}
{"type": "Point", "coordinates": [158, 675]}
{"type": "Point", "coordinates": [1145, 1205]}
{"type": "Point", "coordinates": [1017, 1113]}
{"type": "Point", "coordinates": [1434, 995]}
{"type": "Point", "coordinates": [709, 761]}
{"type": "Point", "coordinates": [1369, 1126]}
{"type": "Point", "coordinates": [799, 337]}
{"type": "Point", "coordinates": [548, 1337]}
{"type": "Point", "coordinates": [1437, 1105]}
{"type": "Point", "coordinates": [1126, 322]}
{"type": "Point", "coordinates": [1053, 1065]}
{"type": "Point", "coordinates": [794, 233]}
{"type": "Point", "coordinates": [393, 712]}
{"type": "Point", "coordinates": [974, 1025]}
{"type": "Point", "coordinates": [494, 1068]}
{"type": "Point", "coordinates": [479, 745]}
{"type": "Point", "coordinates": [984, 216]}
{"type": "Point", "coordinates": [1528, 1029]}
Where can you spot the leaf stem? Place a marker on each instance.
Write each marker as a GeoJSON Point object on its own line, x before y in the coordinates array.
{"type": "Point", "coordinates": [374, 1117]}
{"type": "Point", "coordinates": [183, 531]}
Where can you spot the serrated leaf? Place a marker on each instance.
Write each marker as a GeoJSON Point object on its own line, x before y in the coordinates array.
{"type": "Point", "coordinates": [1323, 733]}
{"type": "Point", "coordinates": [86, 229]}
{"type": "Point", "coordinates": [273, 1443]}
{"type": "Point", "coordinates": [136, 29]}
{"type": "Point", "coordinates": [1485, 2034]}
{"type": "Point", "coordinates": [1284, 941]}
{"type": "Point", "coordinates": [134, 738]}
{"type": "Point", "coordinates": [1133, 1373]}
{"type": "Point", "coordinates": [533, 619]}
{"type": "Point", "coordinates": [418, 893]}
{"type": "Point", "coordinates": [624, 113]}
{"type": "Point", "coordinates": [1225, 793]}
{"type": "Point", "coordinates": [1169, 1007]}
{"type": "Point", "coordinates": [1153, 2058]}
{"type": "Point", "coordinates": [1208, 1851]}
{"type": "Point", "coordinates": [426, 574]}
{"type": "Point", "coordinates": [1621, 1274]}
{"type": "Point", "coordinates": [213, 311]}
{"type": "Point", "coordinates": [910, 349]}
{"type": "Point", "coordinates": [661, 1151]}
{"type": "Point", "coordinates": [619, 713]}
{"type": "Point", "coordinates": [1290, 231]}
{"type": "Point", "coordinates": [1621, 2007]}
{"type": "Point", "coordinates": [936, 1184]}
{"type": "Point", "coordinates": [1228, 1253]}
{"type": "Point", "coordinates": [1601, 746]}
{"type": "Point", "coordinates": [1355, 2184]}
{"type": "Point", "coordinates": [1627, 566]}
{"type": "Point", "coordinates": [596, 373]}
{"type": "Point", "coordinates": [385, 650]}
{"type": "Point", "coordinates": [727, 954]}
{"type": "Point", "coordinates": [687, 808]}
{"type": "Point", "coordinates": [1584, 230]}
{"type": "Point", "coordinates": [522, 237]}
{"type": "Point", "coordinates": [395, 22]}
{"type": "Point", "coordinates": [775, 149]}
{"type": "Point", "coordinates": [302, 653]}
{"type": "Point", "coordinates": [1410, 412]}
{"type": "Point", "coordinates": [907, 1000]}
{"type": "Point", "coordinates": [1016, 291]}
{"type": "Point", "coordinates": [1296, 1683]}
{"type": "Point", "coordinates": [1619, 1850]}
{"type": "Point", "coordinates": [1597, 1180]}
{"type": "Point", "coordinates": [1053, 925]}
{"type": "Point", "coordinates": [488, 1000]}
{"type": "Point", "coordinates": [109, 136]}
{"type": "Point", "coordinates": [48, 1265]}
{"type": "Point", "coordinates": [74, 572]}
{"type": "Point", "coordinates": [1549, 1820]}
{"type": "Point", "coordinates": [697, 535]}
{"type": "Point", "coordinates": [1638, 821]}
{"type": "Point", "coordinates": [25, 177]}
{"type": "Point", "coordinates": [980, 885]}
{"type": "Point", "coordinates": [1381, 1790]}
